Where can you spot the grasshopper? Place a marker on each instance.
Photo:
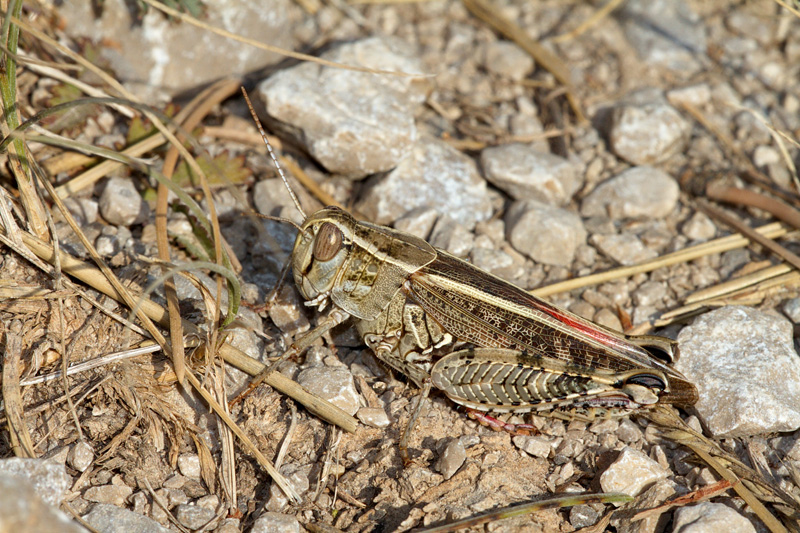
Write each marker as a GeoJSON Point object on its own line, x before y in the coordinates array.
{"type": "Point", "coordinates": [484, 342]}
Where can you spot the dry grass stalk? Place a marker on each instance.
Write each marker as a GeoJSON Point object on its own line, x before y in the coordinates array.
{"type": "Point", "coordinates": [722, 244]}
{"type": "Point", "coordinates": [21, 442]}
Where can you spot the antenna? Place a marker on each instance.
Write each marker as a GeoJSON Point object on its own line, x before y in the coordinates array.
{"type": "Point", "coordinates": [272, 154]}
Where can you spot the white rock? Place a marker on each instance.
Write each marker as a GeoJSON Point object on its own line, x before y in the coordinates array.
{"type": "Point", "coordinates": [665, 33]}
{"type": "Point", "coordinates": [435, 175]}
{"type": "Point", "coordinates": [696, 95]}
{"type": "Point", "coordinates": [83, 209]}
{"type": "Point", "coordinates": [193, 517]}
{"type": "Point", "coordinates": [121, 204]}
{"type": "Point", "coordinates": [112, 519]}
{"type": "Point", "coordinates": [699, 227]}
{"type": "Point", "coordinates": [546, 234]}
{"type": "Point", "coordinates": [276, 523]}
{"type": "Point", "coordinates": [451, 236]}
{"type": "Point", "coordinates": [113, 494]}
{"type": "Point", "coordinates": [418, 221]}
{"type": "Point", "coordinates": [452, 458]}
{"type": "Point", "coordinates": [80, 456]}
{"type": "Point", "coordinates": [506, 59]}
{"type": "Point", "coordinates": [624, 249]}
{"type": "Point", "coordinates": [48, 479]}
{"type": "Point", "coordinates": [534, 445]}
{"type": "Point", "coordinates": [373, 417]}
{"type": "Point", "coordinates": [639, 192]}
{"type": "Point", "coordinates": [765, 155]}
{"type": "Point", "coordinates": [353, 123]}
{"type": "Point", "coordinates": [647, 134]}
{"type": "Point", "coordinates": [189, 465]}
{"type": "Point", "coordinates": [297, 477]}
{"type": "Point", "coordinates": [153, 54]}
{"type": "Point", "coordinates": [792, 309]}
{"type": "Point", "coordinates": [746, 370]}
{"type": "Point", "coordinates": [708, 517]}
{"type": "Point", "coordinates": [528, 174]}
{"type": "Point", "coordinates": [631, 473]}
{"type": "Point", "coordinates": [334, 384]}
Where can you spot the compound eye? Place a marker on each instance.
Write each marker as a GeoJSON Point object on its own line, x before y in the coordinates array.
{"type": "Point", "coordinates": [328, 243]}
{"type": "Point", "coordinates": [649, 381]}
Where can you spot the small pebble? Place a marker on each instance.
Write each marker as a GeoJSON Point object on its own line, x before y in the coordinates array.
{"type": "Point", "coordinates": [81, 456]}
{"type": "Point", "coordinates": [534, 445]}
{"type": "Point", "coordinates": [631, 473]}
{"type": "Point", "coordinates": [449, 235]}
{"type": "Point", "coordinates": [334, 384]}
{"type": "Point", "coordinates": [276, 523]}
{"type": "Point", "coordinates": [373, 416]}
{"type": "Point", "coordinates": [581, 516]}
{"type": "Point", "coordinates": [189, 465]}
{"type": "Point", "coordinates": [527, 174]}
{"type": "Point", "coordinates": [639, 192]}
{"type": "Point", "coordinates": [709, 517]}
{"type": "Point", "coordinates": [508, 60]}
{"type": "Point", "coordinates": [451, 459]}
{"type": "Point", "coordinates": [114, 519]}
{"type": "Point", "coordinates": [121, 204]}
{"type": "Point", "coordinates": [192, 516]}
{"type": "Point", "coordinates": [113, 494]}
{"type": "Point", "coordinates": [546, 234]}
{"type": "Point", "coordinates": [699, 227]}
{"type": "Point", "coordinates": [624, 249]}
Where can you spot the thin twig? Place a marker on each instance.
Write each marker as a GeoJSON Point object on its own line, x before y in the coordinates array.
{"type": "Point", "coordinates": [744, 229]}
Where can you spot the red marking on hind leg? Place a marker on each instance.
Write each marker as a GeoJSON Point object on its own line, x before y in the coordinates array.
{"type": "Point", "coordinates": [497, 425]}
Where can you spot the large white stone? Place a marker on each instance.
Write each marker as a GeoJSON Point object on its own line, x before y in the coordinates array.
{"type": "Point", "coordinates": [746, 370]}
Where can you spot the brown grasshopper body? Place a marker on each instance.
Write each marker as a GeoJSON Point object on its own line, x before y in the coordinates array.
{"type": "Point", "coordinates": [484, 342]}
{"type": "Point", "coordinates": [414, 304]}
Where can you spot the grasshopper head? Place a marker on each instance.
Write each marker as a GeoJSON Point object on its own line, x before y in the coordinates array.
{"type": "Point", "coordinates": [321, 250]}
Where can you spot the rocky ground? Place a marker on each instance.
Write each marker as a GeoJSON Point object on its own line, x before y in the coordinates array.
{"type": "Point", "coordinates": [584, 146]}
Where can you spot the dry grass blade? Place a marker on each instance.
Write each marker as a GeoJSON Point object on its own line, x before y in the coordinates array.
{"type": "Point", "coordinates": [736, 284]}
{"type": "Point", "coordinates": [59, 75]}
{"type": "Point", "coordinates": [528, 508]}
{"type": "Point", "coordinates": [727, 466]}
{"type": "Point", "coordinates": [719, 296]}
{"type": "Point", "coordinates": [793, 10]}
{"type": "Point", "coordinates": [18, 150]}
{"type": "Point", "coordinates": [113, 83]}
{"type": "Point", "coordinates": [723, 244]}
{"type": "Point", "coordinates": [544, 57]}
{"type": "Point", "coordinates": [739, 157]}
{"type": "Point", "coordinates": [97, 172]}
{"type": "Point", "coordinates": [258, 44]}
{"type": "Point", "coordinates": [699, 495]}
{"type": "Point", "coordinates": [21, 441]}
{"type": "Point", "coordinates": [231, 355]}
{"type": "Point", "coordinates": [202, 106]}
{"type": "Point", "coordinates": [244, 439]}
